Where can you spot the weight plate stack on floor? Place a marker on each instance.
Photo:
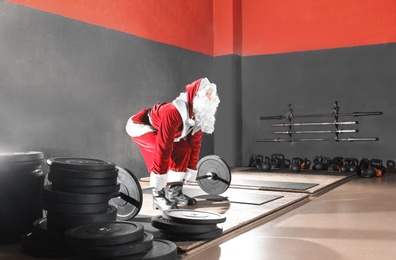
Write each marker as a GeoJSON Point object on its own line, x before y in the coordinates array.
{"type": "Point", "coordinates": [130, 198]}
{"type": "Point", "coordinates": [118, 240]}
{"type": "Point", "coordinates": [78, 192]}
{"type": "Point", "coordinates": [21, 180]}
{"type": "Point", "coordinates": [189, 225]}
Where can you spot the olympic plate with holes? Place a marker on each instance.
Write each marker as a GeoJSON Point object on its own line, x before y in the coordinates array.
{"type": "Point", "coordinates": [213, 175]}
{"type": "Point", "coordinates": [130, 198]}
{"type": "Point", "coordinates": [173, 227]}
{"type": "Point", "coordinates": [80, 164]}
{"type": "Point", "coordinates": [104, 234]}
{"type": "Point", "coordinates": [193, 216]}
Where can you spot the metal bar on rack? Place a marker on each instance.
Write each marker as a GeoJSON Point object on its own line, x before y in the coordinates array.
{"type": "Point", "coordinates": [341, 131]}
{"type": "Point", "coordinates": [353, 114]}
{"type": "Point", "coordinates": [349, 139]}
{"type": "Point", "coordinates": [317, 123]}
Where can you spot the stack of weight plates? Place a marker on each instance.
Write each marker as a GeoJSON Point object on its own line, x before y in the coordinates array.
{"type": "Point", "coordinates": [77, 194]}
{"type": "Point", "coordinates": [189, 225]}
{"type": "Point", "coordinates": [21, 178]}
{"type": "Point", "coordinates": [118, 240]}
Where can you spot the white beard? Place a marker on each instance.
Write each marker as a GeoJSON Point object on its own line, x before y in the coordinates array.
{"type": "Point", "coordinates": [205, 111]}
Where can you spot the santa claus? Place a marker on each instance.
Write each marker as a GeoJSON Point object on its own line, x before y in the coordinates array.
{"type": "Point", "coordinates": [169, 137]}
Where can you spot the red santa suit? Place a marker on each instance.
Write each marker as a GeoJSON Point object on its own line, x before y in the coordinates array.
{"type": "Point", "coordinates": [168, 137]}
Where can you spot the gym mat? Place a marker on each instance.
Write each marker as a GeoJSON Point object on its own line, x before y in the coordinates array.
{"type": "Point", "coordinates": [288, 171]}
{"type": "Point", "coordinates": [273, 184]}
{"type": "Point", "coordinates": [242, 197]}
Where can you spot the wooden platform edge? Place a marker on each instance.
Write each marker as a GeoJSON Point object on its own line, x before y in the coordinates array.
{"type": "Point", "coordinates": [253, 223]}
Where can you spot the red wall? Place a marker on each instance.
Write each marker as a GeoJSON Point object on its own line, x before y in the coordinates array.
{"type": "Point", "coordinates": [268, 26]}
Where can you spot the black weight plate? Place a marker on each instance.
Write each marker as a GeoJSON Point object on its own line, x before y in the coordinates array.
{"type": "Point", "coordinates": [86, 189]}
{"type": "Point", "coordinates": [104, 234]}
{"type": "Point", "coordinates": [74, 198]}
{"type": "Point", "coordinates": [80, 164]}
{"type": "Point", "coordinates": [43, 249]}
{"type": "Point", "coordinates": [85, 174]}
{"type": "Point", "coordinates": [130, 187]}
{"type": "Point", "coordinates": [41, 232]}
{"type": "Point", "coordinates": [161, 250]}
{"type": "Point", "coordinates": [215, 165]}
{"type": "Point", "coordinates": [175, 227]}
{"type": "Point", "coordinates": [195, 237]}
{"type": "Point", "coordinates": [75, 220]}
{"type": "Point", "coordinates": [73, 208]}
{"type": "Point", "coordinates": [193, 216]}
{"type": "Point", "coordinates": [143, 244]}
{"type": "Point", "coordinates": [61, 179]}
{"type": "Point", "coordinates": [13, 157]}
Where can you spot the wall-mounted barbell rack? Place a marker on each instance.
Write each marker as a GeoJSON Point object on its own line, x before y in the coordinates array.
{"type": "Point", "coordinates": [291, 123]}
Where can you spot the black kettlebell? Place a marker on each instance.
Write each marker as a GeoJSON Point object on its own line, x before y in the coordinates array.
{"type": "Point", "coordinates": [266, 164]}
{"type": "Point", "coordinates": [353, 165]}
{"type": "Point", "coordinates": [369, 172]}
{"type": "Point", "coordinates": [296, 164]}
{"type": "Point", "coordinates": [318, 163]}
{"type": "Point", "coordinates": [344, 167]}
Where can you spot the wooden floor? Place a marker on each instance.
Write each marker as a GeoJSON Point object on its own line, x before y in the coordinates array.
{"type": "Point", "coordinates": [344, 217]}
{"type": "Point", "coordinates": [356, 220]}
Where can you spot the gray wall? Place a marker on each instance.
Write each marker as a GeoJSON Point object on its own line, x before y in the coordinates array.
{"type": "Point", "coordinates": [67, 88]}
{"type": "Point", "coordinates": [360, 79]}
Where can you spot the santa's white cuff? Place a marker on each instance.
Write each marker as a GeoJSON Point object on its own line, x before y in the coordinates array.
{"type": "Point", "coordinates": [175, 176]}
{"type": "Point", "coordinates": [158, 181]}
{"type": "Point", "coordinates": [191, 175]}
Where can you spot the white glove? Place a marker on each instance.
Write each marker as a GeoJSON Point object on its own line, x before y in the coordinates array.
{"type": "Point", "coordinates": [158, 181]}
{"type": "Point", "coordinates": [191, 175]}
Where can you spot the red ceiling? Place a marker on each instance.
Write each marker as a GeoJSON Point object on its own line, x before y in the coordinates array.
{"type": "Point", "coordinates": [210, 26]}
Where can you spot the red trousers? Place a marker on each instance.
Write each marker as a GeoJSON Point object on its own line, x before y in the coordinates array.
{"type": "Point", "coordinates": [179, 158]}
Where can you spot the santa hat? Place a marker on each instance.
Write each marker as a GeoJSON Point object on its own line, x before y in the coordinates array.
{"type": "Point", "coordinates": [191, 90]}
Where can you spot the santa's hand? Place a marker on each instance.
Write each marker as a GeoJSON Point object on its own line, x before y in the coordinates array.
{"type": "Point", "coordinates": [191, 175]}
{"type": "Point", "coordinates": [158, 181]}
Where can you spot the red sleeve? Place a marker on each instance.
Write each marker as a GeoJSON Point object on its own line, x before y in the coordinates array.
{"type": "Point", "coordinates": [167, 129]}
{"type": "Point", "coordinates": [195, 142]}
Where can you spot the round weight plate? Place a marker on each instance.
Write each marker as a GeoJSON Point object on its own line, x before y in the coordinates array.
{"type": "Point", "coordinates": [193, 216]}
{"type": "Point", "coordinates": [81, 164]}
{"type": "Point", "coordinates": [161, 250]}
{"type": "Point", "coordinates": [216, 167]}
{"type": "Point", "coordinates": [169, 226]}
{"type": "Point", "coordinates": [75, 220]}
{"type": "Point", "coordinates": [13, 157]}
{"type": "Point", "coordinates": [194, 237]}
{"type": "Point", "coordinates": [143, 244]}
{"type": "Point", "coordinates": [61, 179]}
{"type": "Point", "coordinates": [74, 198]}
{"type": "Point", "coordinates": [40, 231]}
{"type": "Point", "coordinates": [85, 174]}
{"type": "Point", "coordinates": [42, 249]}
{"type": "Point", "coordinates": [69, 208]}
{"type": "Point", "coordinates": [104, 234]}
{"type": "Point", "coordinates": [86, 189]}
{"type": "Point", "coordinates": [129, 204]}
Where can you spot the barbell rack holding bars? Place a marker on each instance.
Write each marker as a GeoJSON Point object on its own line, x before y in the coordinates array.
{"type": "Point", "coordinates": [289, 115]}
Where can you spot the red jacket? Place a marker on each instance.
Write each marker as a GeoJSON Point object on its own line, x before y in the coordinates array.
{"type": "Point", "coordinates": [166, 118]}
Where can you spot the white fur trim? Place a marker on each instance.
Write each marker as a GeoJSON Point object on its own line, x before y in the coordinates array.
{"type": "Point", "coordinates": [175, 176]}
{"type": "Point", "coordinates": [191, 175]}
{"type": "Point", "coordinates": [158, 181]}
{"type": "Point", "coordinates": [182, 107]}
{"type": "Point", "coordinates": [204, 82]}
{"type": "Point", "coordinates": [134, 129]}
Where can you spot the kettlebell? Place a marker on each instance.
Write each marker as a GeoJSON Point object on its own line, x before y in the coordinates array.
{"type": "Point", "coordinates": [296, 164]}
{"type": "Point", "coordinates": [266, 164]}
